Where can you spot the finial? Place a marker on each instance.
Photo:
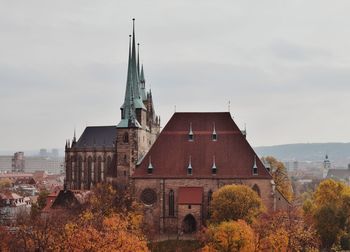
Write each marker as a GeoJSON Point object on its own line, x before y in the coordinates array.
{"type": "Point", "coordinates": [229, 106]}
{"type": "Point", "coordinates": [174, 108]}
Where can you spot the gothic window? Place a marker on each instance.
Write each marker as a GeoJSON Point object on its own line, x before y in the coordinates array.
{"type": "Point", "coordinates": [126, 137]}
{"type": "Point", "coordinates": [109, 165]}
{"type": "Point", "coordinates": [256, 189]}
{"type": "Point", "coordinates": [171, 203]}
{"type": "Point", "coordinates": [99, 169]}
{"type": "Point", "coordinates": [90, 172]}
{"type": "Point", "coordinates": [210, 196]}
{"type": "Point", "coordinates": [214, 137]}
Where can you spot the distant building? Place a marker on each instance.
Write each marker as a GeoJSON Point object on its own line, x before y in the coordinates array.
{"type": "Point", "coordinates": [342, 175]}
{"type": "Point", "coordinates": [18, 162]}
{"type": "Point", "coordinates": [12, 204]}
{"type": "Point", "coordinates": [43, 153]}
{"type": "Point", "coordinates": [326, 166]}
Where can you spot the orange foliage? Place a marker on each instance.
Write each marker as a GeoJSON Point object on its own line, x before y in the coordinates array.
{"type": "Point", "coordinates": [229, 236]}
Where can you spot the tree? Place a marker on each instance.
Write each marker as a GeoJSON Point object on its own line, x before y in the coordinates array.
{"type": "Point", "coordinates": [280, 176]}
{"type": "Point", "coordinates": [41, 202]}
{"type": "Point", "coordinates": [285, 231]}
{"type": "Point", "coordinates": [229, 236]}
{"type": "Point", "coordinates": [114, 233]}
{"type": "Point", "coordinates": [234, 202]}
{"type": "Point", "coordinates": [329, 209]}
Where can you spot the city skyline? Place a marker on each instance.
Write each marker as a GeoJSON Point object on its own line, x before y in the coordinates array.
{"type": "Point", "coordinates": [284, 67]}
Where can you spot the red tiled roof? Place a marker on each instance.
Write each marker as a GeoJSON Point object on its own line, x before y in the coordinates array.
{"type": "Point", "coordinates": [190, 195]}
{"type": "Point", "coordinates": [170, 154]}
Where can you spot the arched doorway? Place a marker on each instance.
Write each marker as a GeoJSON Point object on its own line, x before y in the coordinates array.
{"type": "Point", "coordinates": [189, 224]}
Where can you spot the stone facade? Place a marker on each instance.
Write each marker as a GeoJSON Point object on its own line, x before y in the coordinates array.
{"type": "Point", "coordinates": [161, 220]}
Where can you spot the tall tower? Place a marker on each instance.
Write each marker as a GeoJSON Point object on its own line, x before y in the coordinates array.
{"type": "Point", "coordinates": [138, 127]}
{"type": "Point", "coordinates": [326, 166]}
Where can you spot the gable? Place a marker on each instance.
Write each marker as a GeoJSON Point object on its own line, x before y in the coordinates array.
{"type": "Point", "coordinates": [171, 153]}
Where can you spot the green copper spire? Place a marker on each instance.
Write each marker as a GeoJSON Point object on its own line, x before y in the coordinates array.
{"type": "Point", "coordinates": [133, 98]}
{"type": "Point", "coordinates": [128, 108]}
{"type": "Point", "coordinates": [138, 59]}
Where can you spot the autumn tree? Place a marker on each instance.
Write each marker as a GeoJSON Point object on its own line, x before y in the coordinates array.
{"type": "Point", "coordinates": [330, 211]}
{"type": "Point", "coordinates": [280, 176]}
{"type": "Point", "coordinates": [284, 231]}
{"type": "Point", "coordinates": [108, 221]}
{"type": "Point", "coordinates": [115, 233]}
{"type": "Point", "coordinates": [229, 236]}
{"type": "Point", "coordinates": [41, 202]}
{"type": "Point", "coordinates": [234, 202]}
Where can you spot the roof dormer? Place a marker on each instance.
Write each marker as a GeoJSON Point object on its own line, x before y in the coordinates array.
{"type": "Point", "coordinates": [189, 168]}
{"type": "Point", "coordinates": [214, 136]}
{"type": "Point", "coordinates": [255, 167]}
{"type": "Point", "coordinates": [190, 134]}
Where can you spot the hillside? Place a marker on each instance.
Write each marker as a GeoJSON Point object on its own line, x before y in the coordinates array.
{"type": "Point", "coordinates": [307, 152]}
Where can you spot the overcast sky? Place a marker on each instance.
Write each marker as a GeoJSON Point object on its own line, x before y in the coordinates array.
{"type": "Point", "coordinates": [284, 65]}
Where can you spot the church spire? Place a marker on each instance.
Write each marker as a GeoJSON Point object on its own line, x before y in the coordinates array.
{"type": "Point", "coordinates": [138, 59]}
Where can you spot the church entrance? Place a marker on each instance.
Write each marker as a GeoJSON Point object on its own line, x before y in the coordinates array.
{"type": "Point", "coordinates": [189, 224]}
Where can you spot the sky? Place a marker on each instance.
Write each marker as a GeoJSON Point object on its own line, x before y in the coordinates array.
{"type": "Point", "coordinates": [283, 65]}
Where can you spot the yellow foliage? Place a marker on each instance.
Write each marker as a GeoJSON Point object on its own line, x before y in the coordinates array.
{"type": "Point", "coordinates": [280, 176]}
{"type": "Point", "coordinates": [230, 236]}
{"type": "Point", "coordinates": [233, 202]}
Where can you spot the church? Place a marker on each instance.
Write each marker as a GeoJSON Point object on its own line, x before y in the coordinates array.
{"type": "Point", "coordinates": [173, 173]}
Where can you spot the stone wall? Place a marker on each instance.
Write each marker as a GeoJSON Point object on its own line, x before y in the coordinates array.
{"type": "Point", "coordinates": [163, 222]}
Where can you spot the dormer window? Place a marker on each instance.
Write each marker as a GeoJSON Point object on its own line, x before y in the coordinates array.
{"type": "Point", "coordinates": [255, 167]}
{"type": "Point", "coordinates": [213, 168]}
{"type": "Point", "coordinates": [150, 167]}
{"type": "Point", "coordinates": [190, 134]}
{"type": "Point", "coordinates": [189, 168]}
{"type": "Point", "coordinates": [214, 136]}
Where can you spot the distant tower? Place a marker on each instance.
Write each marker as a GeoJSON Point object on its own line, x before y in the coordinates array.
{"type": "Point", "coordinates": [326, 166]}
{"type": "Point", "coordinates": [18, 162]}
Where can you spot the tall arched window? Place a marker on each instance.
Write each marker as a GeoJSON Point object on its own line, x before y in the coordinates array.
{"type": "Point", "coordinates": [126, 137]}
{"type": "Point", "coordinates": [210, 196]}
{"type": "Point", "coordinates": [171, 203]}
{"type": "Point", "coordinates": [109, 166]}
{"type": "Point", "coordinates": [256, 189]}
{"type": "Point", "coordinates": [80, 175]}
{"type": "Point", "coordinates": [89, 172]}
{"type": "Point", "coordinates": [99, 169]}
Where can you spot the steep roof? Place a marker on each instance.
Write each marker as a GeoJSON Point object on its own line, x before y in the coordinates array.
{"type": "Point", "coordinates": [172, 151]}
{"type": "Point", "coordinates": [338, 173]}
{"type": "Point", "coordinates": [97, 136]}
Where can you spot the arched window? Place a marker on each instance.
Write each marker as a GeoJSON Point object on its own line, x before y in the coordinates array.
{"type": "Point", "coordinates": [256, 189]}
{"type": "Point", "coordinates": [90, 172]}
{"type": "Point", "coordinates": [171, 203]}
{"type": "Point", "coordinates": [210, 197]}
{"type": "Point", "coordinates": [99, 169]}
{"type": "Point", "coordinates": [109, 166]}
{"type": "Point", "coordinates": [126, 137]}
{"type": "Point", "coordinates": [80, 172]}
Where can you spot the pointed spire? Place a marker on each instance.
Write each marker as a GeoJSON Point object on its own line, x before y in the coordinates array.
{"type": "Point", "coordinates": [74, 137]}
{"type": "Point", "coordinates": [142, 76]}
{"type": "Point", "coordinates": [138, 59]}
